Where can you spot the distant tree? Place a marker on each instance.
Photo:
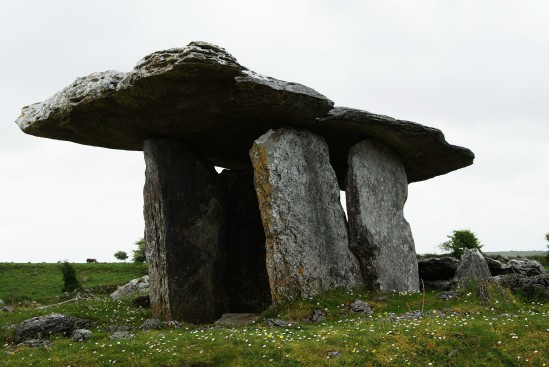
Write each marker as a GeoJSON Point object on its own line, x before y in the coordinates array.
{"type": "Point", "coordinates": [460, 240]}
{"type": "Point", "coordinates": [70, 282]}
{"type": "Point", "coordinates": [139, 253]}
{"type": "Point", "coordinates": [121, 255]}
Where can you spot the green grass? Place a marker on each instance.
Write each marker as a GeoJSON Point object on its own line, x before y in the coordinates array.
{"type": "Point", "coordinates": [43, 282]}
{"type": "Point", "coordinates": [504, 331]}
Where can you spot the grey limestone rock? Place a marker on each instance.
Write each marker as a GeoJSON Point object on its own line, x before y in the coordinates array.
{"type": "Point", "coordinates": [317, 316]}
{"type": "Point", "coordinates": [81, 335]}
{"type": "Point", "coordinates": [198, 93]}
{"type": "Point", "coordinates": [360, 306]}
{"type": "Point", "coordinates": [423, 151]}
{"type": "Point", "coordinates": [151, 324]}
{"type": "Point", "coordinates": [472, 267]}
{"type": "Point", "coordinates": [201, 94]}
{"type": "Point", "coordinates": [307, 243]}
{"type": "Point", "coordinates": [532, 287]}
{"type": "Point", "coordinates": [525, 267]}
{"type": "Point", "coordinates": [277, 323]}
{"type": "Point", "coordinates": [38, 327]}
{"type": "Point", "coordinates": [135, 287]}
{"type": "Point", "coordinates": [122, 335]}
{"type": "Point", "coordinates": [380, 236]}
{"type": "Point", "coordinates": [497, 267]}
{"type": "Point", "coordinates": [184, 230]}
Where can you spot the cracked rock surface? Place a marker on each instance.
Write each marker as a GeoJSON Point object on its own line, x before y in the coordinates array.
{"type": "Point", "coordinates": [201, 94]}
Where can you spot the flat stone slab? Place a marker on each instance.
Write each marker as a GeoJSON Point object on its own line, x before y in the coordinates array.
{"type": "Point", "coordinates": [422, 150]}
{"type": "Point", "coordinates": [202, 95]}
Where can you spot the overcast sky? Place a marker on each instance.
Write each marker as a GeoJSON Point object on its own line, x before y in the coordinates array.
{"type": "Point", "coordinates": [477, 70]}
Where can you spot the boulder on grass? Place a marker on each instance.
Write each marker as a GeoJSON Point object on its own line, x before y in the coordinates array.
{"type": "Point", "coordinates": [41, 326]}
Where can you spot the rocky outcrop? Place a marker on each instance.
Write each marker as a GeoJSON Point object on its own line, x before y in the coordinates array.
{"type": "Point", "coordinates": [472, 267]}
{"type": "Point", "coordinates": [307, 243]}
{"type": "Point", "coordinates": [526, 267]}
{"type": "Point", "coordinates": [184, 232]}
{"type": "Point", "coordinates": [496, 267]}
{"type": "Point", "coordinates": [380, 236]}
{"type": "Point", "coordinates": [246, 280]}
{"type": "Point", "coordinates": [534, 287]}
{"type": "Point", "coordinates": [42, 326]}
{"type": "Point", "coordinates": [135, 287]}
{"type": "Point", "coordinates": [202, 95]}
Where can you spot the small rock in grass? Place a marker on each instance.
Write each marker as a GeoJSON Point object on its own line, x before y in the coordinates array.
{"type": "Point", "coordinates": [172, 324]}
{"type": "Point", "coordinates": [8, 309]}
{"type": "Point", "coordinates": [35, 343]}
{"type": "Point", "coordinates": [81, 335]}
{"type": "Point", "coordinates": [359, 306]}
{"type": "Point", "coordinates": [334, 354]}
{"type": "Point", "coordinates": [122, 335]}
{"type": "Point", "coordinates": [151, 324]}
{"type": "Point", "coordinates": [317, 316]}
{"type": "Point", "coordinates": [277, 323]}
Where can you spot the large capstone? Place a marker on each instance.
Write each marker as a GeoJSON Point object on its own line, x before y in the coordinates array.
{"type": "Point", "coordinates": [202, 95]}
{"type": "Point", "coordinates": [380, 236]}
{"type": "Point", "coordinates": [184, 232]}
{"type": "Point", "coordinates": [246, 279]}
{"type": "Point", "coordinates": [307, 242]}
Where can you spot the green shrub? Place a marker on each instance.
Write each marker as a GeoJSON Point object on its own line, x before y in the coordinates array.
{"type": "Point", "coordinates": [460, 240]}
{"type": "Point", "coordinates": [139, 253]}
{"type": "Point", "coordinates": [70, 282]}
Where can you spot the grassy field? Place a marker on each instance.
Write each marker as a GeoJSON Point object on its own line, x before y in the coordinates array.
{"type": "Point", "coordinates": [461, 332]}
{"type": "Point", "coordinates": [43, 282]}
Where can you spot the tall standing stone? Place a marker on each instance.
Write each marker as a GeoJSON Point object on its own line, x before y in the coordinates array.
{"type": "Point", "coordinates": [184, 231]}
{"type": "Point", "coordinates": [307, 243]}
{"type": "Point", "coordinates": [380, 236]}
{"type": "Point", "coordinates": [245, 279]}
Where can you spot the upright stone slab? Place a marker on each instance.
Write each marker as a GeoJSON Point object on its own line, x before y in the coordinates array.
{"type": "Point", "coordinates": [307, 242]}
{"type": "Point", "coordinates": [472, 267]}
{"type": "Point", "coordinates": [381, 238]}
{"type": "Point", "coordinates": [184, 231]}
{"type": "Point", "coordinates": [246, 280]}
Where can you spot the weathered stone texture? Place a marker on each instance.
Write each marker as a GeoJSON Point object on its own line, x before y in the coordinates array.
{"type": "Point", "coordinates": [201, 94]}
{"type": "Point", "coordinates": [472, 267]}
{"type": "Point", "coordinates": [184, 231]}
{"type": "Point", "coordinates": [42, 326]}
{"type": "Point", "coordinates": [380, 236]}
{"type": "Point", "coordinates": [246, 279]}
{"type": "Point", "coordinates": [307, 242]}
